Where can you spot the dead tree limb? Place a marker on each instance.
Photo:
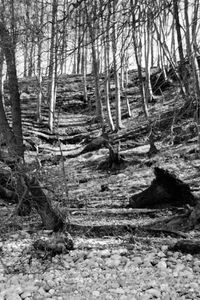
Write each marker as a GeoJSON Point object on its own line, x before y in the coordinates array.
{"type": "Point", "coordinates": [51, 219]}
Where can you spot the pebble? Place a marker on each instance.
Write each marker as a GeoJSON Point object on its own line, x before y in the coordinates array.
{"type": "Point", "coordinates": [154, 293]}
{"type": "Point", "coordinates": [12, 297]}
{"type": "Point", "coordinates": [105, 253]}
{"type": "Point", "coordinates": [162, 265]}
{"type": "Point", "coordinates": [96, 293]}
{"type": "Point", "coordinates": [161, 254]}
{"type": "Point", "coordinates": [137, 260]}
{"type": "Point", "coordinates": [24, 295]}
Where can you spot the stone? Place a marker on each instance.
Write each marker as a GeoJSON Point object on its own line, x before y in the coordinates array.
{"type": "Point", "coordinates": [24, 295]}
{"type": "Point", "coordinates": [105, 253]}
{"type": "Point", "coordinates": [13, 296]}
{"type": "Point", "coordinates": [96, 293]}
{"type": "Point", "coordinates": [155, 293]}
{"type": "Point", "coordinates": [162, 265]}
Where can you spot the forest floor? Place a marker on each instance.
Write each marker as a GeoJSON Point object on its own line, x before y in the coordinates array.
{"type": "Point", "coordinates": [113, 257]}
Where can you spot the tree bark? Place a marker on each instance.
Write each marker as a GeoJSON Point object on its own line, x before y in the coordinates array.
{"type": "Point", "coordinates": [51, 219]}
{"type": "Point", "coordinates": [16, 137]}
{"type": "Point", "coordinates": [183, 69]}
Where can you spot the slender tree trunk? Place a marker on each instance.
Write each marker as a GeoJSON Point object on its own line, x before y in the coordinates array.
{"type": "Point", "coordinates": [1, 74]}
{"type": "Point", "coordinates": [79, 32]}
{"type": "Point", "coordinates": [116, 69]}
{"type": "Point", "coordinates": [95, 65]}
{"type": "Point", "coordinates": [173, 44]}
{"type": "Point", "coordinates": [137, 50]}
{"type": "Point", "coordinates": [106, 64]}
{"type": "Point", "coordinates": [52, 69]}
{"type": "Point", "coordinates": [83, 65]}
{"type": "Point", "coordinates": [187, 31]}
{"type": "Point", "coordinates": [147, 49]}
{"type": "Point", "coordinates": [75, 45]}
{"type": "Point", "coordinates": [126, 87]}
{"type": "Point", "coordinates": [25, 57]}
{"type": "Point", "coordinates": [39, 66]}
{"type": "Point", "coordinates": [183, 69]}
{"type": "Point", "coordinates": [31, 58]}
{"type": "Point", "coordinates": [64, 38]}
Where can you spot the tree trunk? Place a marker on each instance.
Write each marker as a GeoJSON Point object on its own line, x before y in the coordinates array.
{"type": "Point", "coordinates": [106, 44]}
{"type": "Point", "coordinates": [1, 74]}
{"type": "Point", "coordinates": [51, 219]}
{"type": "Point", "coordinates": [9, 51]}
{"type": "Point", "coordinates": [5, 129]}
{"type": "Point", "coordinates": [183, 69]}
{"type": "Point", "coordinates": [147, 50]}
{"type": "Point", "coordinates": [52, 79]}
{"type": "Point", "coordinates": [39, 70]}
{"type": "Point", "coordinates": [95, 63]}
{"type": "Point", "coordinates": [137, 49]}
{"type": "Point", "coordinates": [116, 70]}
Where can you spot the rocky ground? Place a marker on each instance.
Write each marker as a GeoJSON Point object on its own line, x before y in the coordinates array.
{"type": "Point", "coordinates": [108, 268]}
{"type": "Point", "coordinates": [107, 262]}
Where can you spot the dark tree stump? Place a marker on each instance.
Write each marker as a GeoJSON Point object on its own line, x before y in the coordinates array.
{"type": "Point", "coordinates": [165, 189]}
{"type": "Point", "coordinates": [187, 246]}
{"type": "Point", "coordinates": [115, 159]}
{"type": "Point", "coordinates": [94, 145]}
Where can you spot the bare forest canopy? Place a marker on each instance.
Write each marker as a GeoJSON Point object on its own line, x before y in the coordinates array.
{"type": "Point", "coordinates": [105, 39]}
{"type": "Point", "coordinates": [80, 27]}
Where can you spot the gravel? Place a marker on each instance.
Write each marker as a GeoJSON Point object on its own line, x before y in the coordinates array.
{"type": "Point", "coordinates": [126, 273]}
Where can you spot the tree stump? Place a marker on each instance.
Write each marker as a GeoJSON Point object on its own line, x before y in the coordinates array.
{"type": "Point", "coordinates": [165, 189]}
{"type": "Point", "coordinates": [186, 246]}
{"type": "Point", "coordinates": [115, 160]}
